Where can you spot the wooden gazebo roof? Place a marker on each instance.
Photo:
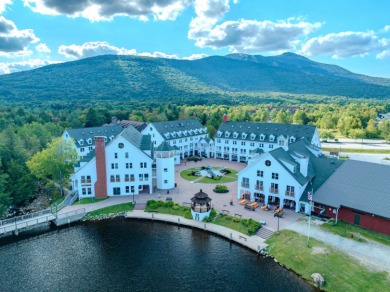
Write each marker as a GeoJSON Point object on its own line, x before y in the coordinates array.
{"type": "Point", "coordinates": [201, 198]}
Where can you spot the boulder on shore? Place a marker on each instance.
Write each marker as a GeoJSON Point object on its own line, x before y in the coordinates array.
{"type": "Point", "coordinates": [318, 279]}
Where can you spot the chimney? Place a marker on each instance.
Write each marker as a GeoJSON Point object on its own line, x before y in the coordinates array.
{"type": "Point", "coordinates": [304, 165]}
{"type": "Point", "coordinates": [114, 120]}
{"type": "Point", "coordinates": [225, 118]}
{"type": "Point", "coordinates": [101, 172]}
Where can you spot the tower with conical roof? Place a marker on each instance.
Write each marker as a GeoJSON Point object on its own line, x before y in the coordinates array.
{"type": "Point", "coordinates": [165, 166]}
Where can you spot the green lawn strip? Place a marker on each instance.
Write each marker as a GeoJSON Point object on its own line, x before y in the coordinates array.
{"type": "Point", "coordinates": [112, 210]}
{"type": "Point", "coordinates": [169, 210]}
{"type": "Point", "coordinates": [341, 272]}
{"type": "Point", "coordinates": [353, 150]}
{"type": "Point", "coordinates": [88, 201]}
{"type": "Point", "coordinates": [187, 174]}
{"type": "Point", "coordinates": [223, 179]}
{"type": "Point", "coordinates": [345, 229]}
{"type": "Point", "coordinates": [233, 223]}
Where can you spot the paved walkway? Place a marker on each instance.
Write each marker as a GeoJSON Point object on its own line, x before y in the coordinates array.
{"type": "Point", "coordinates": [253, 242]}
{"type": "Point", "coordinates": [373, 255]}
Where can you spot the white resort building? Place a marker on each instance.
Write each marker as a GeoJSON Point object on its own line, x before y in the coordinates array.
{"type": "Point", "coordinates": [188, 137]}
{"type": "Point", "coordinates": [284, 176]}
{"type": "Point", "coordinates": [239, 141]}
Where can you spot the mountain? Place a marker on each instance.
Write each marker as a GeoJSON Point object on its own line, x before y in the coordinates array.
{"type": "Point", "coordinates": [210, 80]}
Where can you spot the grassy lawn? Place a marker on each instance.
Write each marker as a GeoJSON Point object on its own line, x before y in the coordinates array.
{"type": "Point", "coordinates": [168, 210]}
{"type": "Point", "coordinates": [88, 201]}
{"type": "Point", "coordinates": [341, 272]}
{"type": "Point", "coordinates": [233, 223]}
{"type": "Point", "coordinates": [112, 209]}
{"type": "Point", "coordinates": [187, 174]}
{"type": "Point", "coordinates": [230, 177]}
{"type": "Point", "coordinates": [353, 150]}
{"type": "Point", "coordinates": [345, 229]}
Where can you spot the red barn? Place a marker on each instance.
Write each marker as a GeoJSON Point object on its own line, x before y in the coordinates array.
{"type": "Point", "coordinates": [358, 193]}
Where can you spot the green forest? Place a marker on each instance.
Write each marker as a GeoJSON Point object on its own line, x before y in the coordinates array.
{"type": "Point", "coordinates": [28, 128]}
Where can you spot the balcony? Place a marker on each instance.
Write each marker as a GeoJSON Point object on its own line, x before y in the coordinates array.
{"type": "Point", "coordinates": [245, 185]}
{"type": "Point", "coordinates": [289, 193]}
{"type": "Point", "coordinates": [274, 191]}
{"type": "Point", "coordinates": [259, 187]}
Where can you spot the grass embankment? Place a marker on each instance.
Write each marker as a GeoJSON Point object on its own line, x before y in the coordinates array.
{"type": "Point", "coordinates": [111, 210]}
{"type": "Point", "coordinates": [341, 273]}
{"type": "Point", "coordinates": [245, 226]}
{"type": "Point", "coordinates": [345, 229]}
{"type": "Point", "coordinates": [88, 201]}
{"type": "Point", "coordinates": [357, 150]}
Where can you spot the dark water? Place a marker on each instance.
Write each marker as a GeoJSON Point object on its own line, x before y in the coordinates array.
{"type": "Point", "coordinates": [131, 255]}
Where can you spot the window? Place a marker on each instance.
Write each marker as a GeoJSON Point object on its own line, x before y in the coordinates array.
{"type": "Point", "coordinates": [132, 189]}
{"type": "Point", "coordinates": [274, 188]}
{"type": "Point", "coordinates": [234, 142]}
{"type": "Point", "coordinates": [146, 177]}
{"type": "Point", "coordinates": [226, 141]}
{"type": "Point", "coordinates": [165, 169]}
{"type": "Point", "coordinates": [126, 154]}
{"type": "Point", "coordinates": [127, 177]}
{"type": "Point", "coordinates": [86, 179]}
{"type": "Point", "coordinates": [129, 165]}
{"type": "Point", "coordinates": [114, 165]}
{"type": "Point", "coordinates": [268, 163]}
{"type": "Point", "coordinates": [290, 190]}
{"type": "Point", "coordinates": [141, 177]}
{"type": "Point", "coordinates": [117, 191]}
{"type": "Point", "coordinates": [143, 164]}
{"type": "Point", "coordinates": [260, 173]}
{"type": "Point", "coordinates": [121, 145]}
{"type": "Point", "coordinates": [127, 190]}
{"type": "Point", "coordinates": [271, 146]}
{"type": "Point", "coordinates": [275, 175]}
{"type": "Point", "coordinates": [112, 178]}
{"type": "Point", "coordinates": [84, 191]}
{"type": "Point", "coordinates": [132, 177]}
{"type": "Point", "coordinates": [117, 178]}
{"type": "Point", "coordinates": [242, 143]}
{"type": "Point", "coordinates": [252, 144]}
{"type": "Point", "coordinates": [218, 140]}
{"type": "Point", "coordinates": [261, 145]}
{"type": "Point", "coordinates": [165, 181]}
{"type": "Point", "coordinates": [116, 155]}
{"type": "Point", "coordinates": [82, 149]}
{"type": "Point", "coordinates": [90, 148]}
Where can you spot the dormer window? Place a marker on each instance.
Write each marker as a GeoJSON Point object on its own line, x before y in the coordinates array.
{"type": "Point", "coordinates": [179, 134]}
{"type": "Point", "coordinates": [89, 141]}
{"type": "Point", "coordinates": [166, 135]}
{"type": "Point", "coordinates": [185, 133]}
{"type": "Point", "coordinates": [105, 139]}
{"type": "Point", "coordinates": [244, 135]}
{"type": "Point", "coordinates": [253, 136]}
{"type": "Point", "coordinates": [235, 135]}
{"type": "Point", "coordinates": [292, 139]}
{"type": "Point", "coordinates": [227, 134]}
{"type": "Point", "coordinates": [191, 132]}
{"type": "Point", "coordinates": [196, 131]}
{"type": "Point", "coordinates": [81, 142]}
{"type": "Point", "coordinates": [219, 134]}
{"type": "Point", "coordinates": [111, 137]}
{"type": "Point", "coordinates": [262, 137]}
{"type": "Point", "coordinates": [271, 138]}
{"type": "Point", "coordinates": [173, 135]}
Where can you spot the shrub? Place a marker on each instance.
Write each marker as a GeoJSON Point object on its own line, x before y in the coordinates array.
{"type": "Point", "coordinates": [187, 214]}
{"type": "Point", "coordinates": [168, 204]}
{"type": "Point", "coordinates": [236, 219]}
{"type": "Point", "coordinates": [227, 171]}
{"type": "Point", "coordinates": [160, 203]}
{"type": "Point", "coordinates": [221, 189]}
{"type": "Point", "coordinates": [175, 207]}
{"type": "Point", "coordinates": [213, 213]}
{"type": "Point", "coordinates": [152, 204]}
{"type": "Point", "coordinates": [228, 217]}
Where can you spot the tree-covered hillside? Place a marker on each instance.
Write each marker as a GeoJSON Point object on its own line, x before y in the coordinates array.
{"type": "Point", "coordinates": [206, 81]}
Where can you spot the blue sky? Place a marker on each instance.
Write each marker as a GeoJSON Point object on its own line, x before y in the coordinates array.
{"type": "Point", "coordinates": [352, 34]}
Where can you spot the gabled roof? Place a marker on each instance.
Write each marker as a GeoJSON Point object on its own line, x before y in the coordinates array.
{"type": "Point", "coordinates": [89, 133]}
{"type": "Point", "coordinates": [164, 146]}
{"type": "Point", "coordinates": [358, 185]}
{"type": "Point", "coordinates": [201, 198]}
{"type": "Point", "coordinates": [267, 129]}
{"type": "Point", "coordinates": [139, 126]}
{"type": "Point", "coordinates": [176, 126]}
{"type": "Point", "coordinates": [140, 141]}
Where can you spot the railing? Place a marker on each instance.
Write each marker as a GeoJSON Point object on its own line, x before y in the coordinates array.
{"type": "Point", "coordinates": [24, 217]}
{"type": "Point", "coordinates": [274, 191]}
{"type": "Point", "coordinates": [69, 200]}
{"type": "Point", "coordinates": [258, 187]}
{"type": "Point", "coordinates": [245, 185]}
{"type": "Point", "coordinates": [71, 213]}
{"type": "Point", "coordinates": [289, 193]}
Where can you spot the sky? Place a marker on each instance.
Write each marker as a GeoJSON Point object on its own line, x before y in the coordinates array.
{"type": "Point", "coordinates": [354, 34]}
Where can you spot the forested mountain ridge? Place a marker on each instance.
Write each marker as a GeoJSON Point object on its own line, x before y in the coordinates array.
{"type": "Point", "coordinates": [215, 79]}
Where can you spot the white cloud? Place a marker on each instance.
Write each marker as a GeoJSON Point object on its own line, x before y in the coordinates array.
{"type": "Point", "coordinates": [43, 48]}
{"type": "Point", "coordinates": [383, 55]}
{"type": "Point", "coordinates": [345, 44]}
{"type": "Point", "coordinates": [3, 4]}
{"type": "Point", "coordinates": [251, 35]}
{"type": "Point", "coordinates": [98, 10]}
{"type": "Point", "coordinates": [386, 28]}
{"type": "Point", "coordinates": [195, 57]}
{"type": "Point", "coordinates": [11, 67]}
{"type": "Point", "coordinates": [92, 49]}
{"type": "Point", "coordinates": [159, 55]}
{"type": "Point", "coordinates": [14, 42]}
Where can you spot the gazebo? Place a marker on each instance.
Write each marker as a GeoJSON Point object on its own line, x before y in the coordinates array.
{"type": "Point", "coordinates": [200, 206]}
